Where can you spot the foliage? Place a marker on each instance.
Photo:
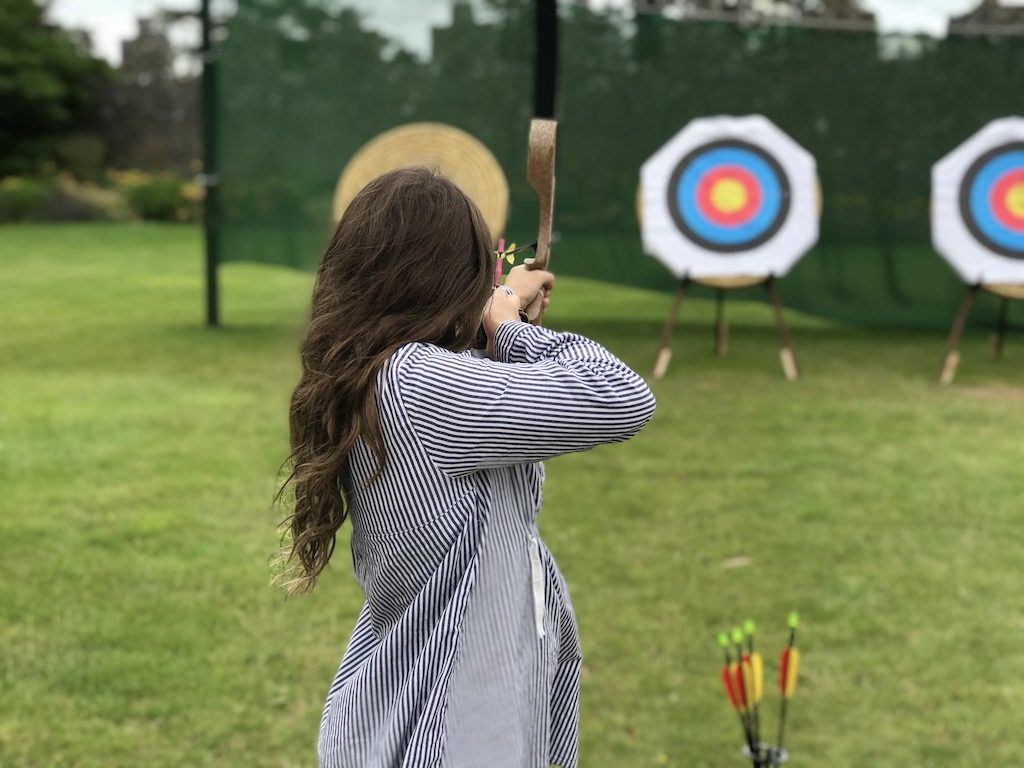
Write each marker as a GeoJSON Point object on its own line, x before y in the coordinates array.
{"type": "Point", "coordinates": [83, 201]}
{"type": "Point", "coordinates": [151, 118]}
{"type": "Point", "coordinates": [140, 451]}
{"type": "Point", "coordinates": [21, 197]}
{"type": "Point", "coordinates": [60, 197]}
{"type": "Point", "coordinates": [50, 85]}
{"type": "Point", "coordinates": [159, 196]}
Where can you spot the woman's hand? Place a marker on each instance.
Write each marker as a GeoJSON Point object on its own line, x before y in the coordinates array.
{"type": "Point", "coordinates": [533, 287]}
{"type": "Point", "coordinates": [501, 307]}
{"type": "Point", "coordinates": [538, 306]}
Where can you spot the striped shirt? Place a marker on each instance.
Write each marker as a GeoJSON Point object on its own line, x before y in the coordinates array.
{"type": "Point", "coordinates": [465, 653]}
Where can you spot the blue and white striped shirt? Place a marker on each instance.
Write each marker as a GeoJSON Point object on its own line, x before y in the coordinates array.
{"type": "Point", "coordinates": [465, 653]}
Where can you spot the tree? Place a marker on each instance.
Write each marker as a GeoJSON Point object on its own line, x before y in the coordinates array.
{"type": "Point", "coordinates": [152, 113]}
{"type": "Point", "coordinates": [50, 87]}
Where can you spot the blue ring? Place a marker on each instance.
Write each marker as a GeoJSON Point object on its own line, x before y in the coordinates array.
{"type": "Point", "coordinates": [756, 167]}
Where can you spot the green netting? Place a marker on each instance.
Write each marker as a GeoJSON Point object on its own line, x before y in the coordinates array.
{"type": "Point", "coordinates": [304, 84]}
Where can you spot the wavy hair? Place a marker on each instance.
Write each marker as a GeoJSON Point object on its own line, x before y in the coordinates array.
{"type": "Point", "coordinates": [410, 260]}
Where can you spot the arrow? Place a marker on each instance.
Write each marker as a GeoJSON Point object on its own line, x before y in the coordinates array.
{"type": "Point", "coordinates": [789, 669]}
{"type": "Point", "coordinates": [755, 671]}
{"type": "Point", "coordinates": [745, 679]}
{"type": "Point", "coordinates": [732, 691]}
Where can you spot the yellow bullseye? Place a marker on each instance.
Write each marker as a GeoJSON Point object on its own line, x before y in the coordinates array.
{"type": "Point", "coordinates": [728, 195]}
{"type": "Point", "coordinates": [1015, 200]}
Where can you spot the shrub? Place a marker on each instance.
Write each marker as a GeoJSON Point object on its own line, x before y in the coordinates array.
{"type": "Point", "coordinates": [76, 201]}
{"type": "Point", "coordinates": [21, 197]}
{"type": "Point", "coordinates": [159, 197]}
{"type": "Point", "coordinates": [124, 195]}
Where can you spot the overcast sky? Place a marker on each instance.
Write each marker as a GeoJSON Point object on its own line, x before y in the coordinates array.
{"type": "Point", "coordinates": [111, 21]}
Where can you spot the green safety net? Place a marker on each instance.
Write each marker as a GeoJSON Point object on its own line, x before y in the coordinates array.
{"type": "Point", "coordinates": [304, 83]}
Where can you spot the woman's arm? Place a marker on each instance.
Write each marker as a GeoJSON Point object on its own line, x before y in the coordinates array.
{"type": "Point", "coordinates": [545, 393]}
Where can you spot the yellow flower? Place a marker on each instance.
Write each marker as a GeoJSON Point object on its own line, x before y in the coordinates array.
{"type": "Point", "coordinates": [192, 192]}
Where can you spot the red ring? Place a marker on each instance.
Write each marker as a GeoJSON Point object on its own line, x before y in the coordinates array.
{"type": "Point", "coordinates": [997, 199]}
{"type": "Point", "coordinates": [736, 218]}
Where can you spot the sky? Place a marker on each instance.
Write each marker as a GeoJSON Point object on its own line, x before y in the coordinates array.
{"type": "Point", "coordinates": [112, 21]}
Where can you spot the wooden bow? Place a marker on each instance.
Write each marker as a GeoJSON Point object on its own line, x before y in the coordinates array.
{"type": "Point", "coordinates": [540, 172]}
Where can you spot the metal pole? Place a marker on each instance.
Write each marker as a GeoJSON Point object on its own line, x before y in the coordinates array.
{"type": "Point", "coordinates": [210, 178]}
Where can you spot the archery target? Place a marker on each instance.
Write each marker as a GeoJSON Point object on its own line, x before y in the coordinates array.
{"type": "Point", "coordinates": [978, 205]}
{"type": "Point", "coordinates": [729, 196]}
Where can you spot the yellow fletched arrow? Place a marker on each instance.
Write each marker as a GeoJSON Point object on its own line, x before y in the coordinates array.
{"type": "Point", "coordinates": [792, 671]}
{"type": "Point", "coordinates": [757, 674]}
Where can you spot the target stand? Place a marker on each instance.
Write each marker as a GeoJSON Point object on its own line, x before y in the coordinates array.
{"type": "Point", "coordinates": [978, 225]}
{"type": "Point", "coordinates": [1005, 293]}
{"type": "Point", "coordinates": [729, 203]}
{"type": "Point", "coordinates": [787, 353]}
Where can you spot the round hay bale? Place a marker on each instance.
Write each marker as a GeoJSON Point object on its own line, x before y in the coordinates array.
{"type": "Point", "coordinates": [454, 153]}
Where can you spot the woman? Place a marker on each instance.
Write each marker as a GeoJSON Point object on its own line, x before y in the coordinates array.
{"type": "Point", "coordinates": [465, 652]}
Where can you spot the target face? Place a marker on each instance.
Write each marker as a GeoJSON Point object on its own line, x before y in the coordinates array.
{"type": "Point", "coordinates": [992, 199]}
{"type": "Point", "coordinates": [727, 197]}
{"type": "Point", "coordinates": [978, 204]}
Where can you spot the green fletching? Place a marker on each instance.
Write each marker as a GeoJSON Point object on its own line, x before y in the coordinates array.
{"type": "Point", "coordinates": [723, 639]}
{"type": "Point", "coordinates": [749, 627]}
{"type": "Point", "coordinates": [794, 619]}
{"type": "Point", "coordinates": [737, 635]}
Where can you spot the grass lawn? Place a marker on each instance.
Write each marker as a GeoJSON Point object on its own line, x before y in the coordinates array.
{"type": "Point", "coordinates": [138, 454]}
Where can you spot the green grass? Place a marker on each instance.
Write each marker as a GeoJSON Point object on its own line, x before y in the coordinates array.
{"type": "Point", "coordinates": [138, 454]}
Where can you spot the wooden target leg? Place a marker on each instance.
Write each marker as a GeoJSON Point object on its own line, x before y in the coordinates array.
{"type": "Point", "coordinates": [664, 350]}
{"type": "Point", "coordinates": [721, 327]}
{"type": "Point", "coordinates": [787, 355]}
{"type": "Point", "coordinates": [951, 359]}
{"type": "Point", "coordinates": [1000, 333]}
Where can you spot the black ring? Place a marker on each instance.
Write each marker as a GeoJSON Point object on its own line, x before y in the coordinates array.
{"type": "Point", "coordinates": [770, 230]}
{"type": "Point", "coordinates": [965, 199]}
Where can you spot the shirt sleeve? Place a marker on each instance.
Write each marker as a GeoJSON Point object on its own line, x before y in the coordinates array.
{"type": "Point", "coordinates": [548, 393]}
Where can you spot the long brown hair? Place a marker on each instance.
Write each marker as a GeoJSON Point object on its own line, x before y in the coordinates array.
{"type": "Point", "coordinates": [410, 260]}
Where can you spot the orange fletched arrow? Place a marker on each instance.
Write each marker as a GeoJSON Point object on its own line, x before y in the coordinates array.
{"type": "Point", "coordinates": [789, 669]}
{"type": "Point", "coordinates": [789, 661]}
{"type": "Point", "coordinates": [732, 681]}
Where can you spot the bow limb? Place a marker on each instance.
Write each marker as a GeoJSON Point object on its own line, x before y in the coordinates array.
{"type": "Point", "coordinates": [540, 172]}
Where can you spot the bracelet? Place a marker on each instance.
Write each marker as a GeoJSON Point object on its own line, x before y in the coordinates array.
{"type": "Point", "coordinates": [522, 315]}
